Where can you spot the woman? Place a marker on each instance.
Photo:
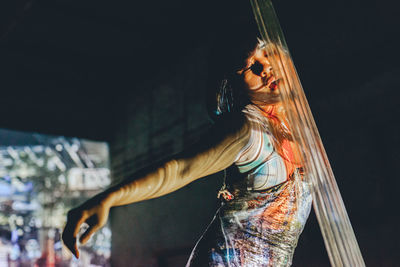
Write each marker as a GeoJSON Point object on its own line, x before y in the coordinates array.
{"type": "Point", "coordinates": [265, 201]}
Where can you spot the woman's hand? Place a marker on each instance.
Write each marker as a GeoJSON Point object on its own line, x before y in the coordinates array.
{"type": "Point", "coordinates": [94, 212]}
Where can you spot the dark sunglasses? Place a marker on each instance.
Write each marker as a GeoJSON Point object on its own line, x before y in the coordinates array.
{"type": "Point", "coordinates": [255, 68]}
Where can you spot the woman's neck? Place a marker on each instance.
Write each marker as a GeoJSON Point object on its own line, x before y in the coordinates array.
{"type": "Point", "coordinates": [271, 110]}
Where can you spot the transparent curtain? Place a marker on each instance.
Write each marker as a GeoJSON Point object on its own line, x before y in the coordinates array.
{"type": "Point", "coordinates": [335, 225]}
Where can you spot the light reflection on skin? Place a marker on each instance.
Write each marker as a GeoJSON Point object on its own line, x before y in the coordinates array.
{"type": "Point", "coordinates": [260, 82]}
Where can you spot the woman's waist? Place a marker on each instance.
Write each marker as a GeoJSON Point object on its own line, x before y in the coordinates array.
{"type": "Point", "coordinates": [289, 196]}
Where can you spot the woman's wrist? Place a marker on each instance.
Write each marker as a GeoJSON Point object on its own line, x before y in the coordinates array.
{"type": "Point", "coordinates": [106, 198]}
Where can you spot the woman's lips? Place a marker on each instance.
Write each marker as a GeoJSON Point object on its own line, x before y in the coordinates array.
{"type": "Point", "coordinates": [270, 83]}
{"type": "Point", "coordinates": [273, 85]}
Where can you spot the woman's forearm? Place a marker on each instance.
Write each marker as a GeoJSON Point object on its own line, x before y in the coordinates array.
{"type": "Point", "coordinates": [165, 179]}
{"type": "Point", "coordinates": [210, 156]}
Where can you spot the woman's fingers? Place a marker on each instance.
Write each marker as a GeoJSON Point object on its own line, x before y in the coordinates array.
{"type": "Point", "coordinates": [88, 234]}
{"type": "Point", "coordinates": [74, 222]}
{"type": "Point", "coordinates": [96, 221]}
{"type": "Point", "coordinates": [95, 216]}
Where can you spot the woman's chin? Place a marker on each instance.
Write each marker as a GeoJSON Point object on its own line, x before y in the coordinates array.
{"type": "Point", "coordinates": [264, 98]}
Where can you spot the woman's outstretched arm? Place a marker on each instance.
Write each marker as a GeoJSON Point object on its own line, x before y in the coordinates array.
{"type": "Point", "coordinates": [216, 151]}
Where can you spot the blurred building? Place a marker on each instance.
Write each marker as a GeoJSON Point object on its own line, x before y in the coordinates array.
{"type": "Point", "coordinates": [41, 178]}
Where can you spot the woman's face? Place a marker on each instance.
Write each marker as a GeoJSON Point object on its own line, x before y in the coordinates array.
{"type": "Point", "coordinates": [259, 81]}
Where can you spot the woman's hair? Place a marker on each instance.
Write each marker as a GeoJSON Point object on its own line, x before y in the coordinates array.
{"type": "Point", "coordinates": [231, 95]}
{"type": "Point", "coordinates": [227, 91]}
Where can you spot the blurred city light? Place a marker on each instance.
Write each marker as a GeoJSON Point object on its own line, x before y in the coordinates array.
{"type": "Point", "coordinates": [39, 183]}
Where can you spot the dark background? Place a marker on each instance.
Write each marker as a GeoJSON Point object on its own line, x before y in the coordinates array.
{"type": "Point", "coordinates": [134, 74]}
